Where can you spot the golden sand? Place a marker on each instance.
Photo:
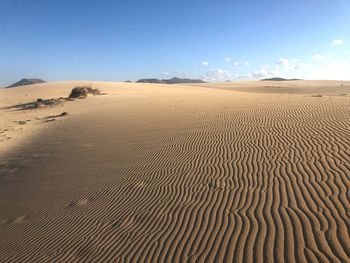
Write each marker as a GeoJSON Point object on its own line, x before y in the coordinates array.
{"type": "Point", "coordinates": [231, 172]}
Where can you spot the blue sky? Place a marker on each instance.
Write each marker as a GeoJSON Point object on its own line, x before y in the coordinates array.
{"type": "Point", "coordinates": [213, 40]}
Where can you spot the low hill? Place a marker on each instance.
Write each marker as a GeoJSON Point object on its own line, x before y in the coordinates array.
{"type": "Point", "coordinates": [174, 80]}
{"type": "Point", "coordinates": [278, 79]}
{"type": "Point", "coordinates": [24, 82]}
{"type": "Point", "coordinates": [158, 81]}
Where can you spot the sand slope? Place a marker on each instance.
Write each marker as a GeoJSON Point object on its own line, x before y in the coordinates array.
{"type": "Point", "coordinates": [176, 173]}
{"type": "Point", "coordinates": [306, 87]}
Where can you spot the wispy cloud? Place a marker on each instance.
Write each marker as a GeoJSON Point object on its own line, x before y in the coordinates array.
{"type": "Point", "coordinates": [283, 62]}
{"type": "Point", "coordinates": [338, 42]}
{"type": "Point", "coordinates": [332, 70]}
{"type": "Point", "coordinates": [217, 75]}
{"type": "Point", "coordinates": [238, 64]}
{"type": "Point", "coordinates": [265, 72]}
{"type": "Point", "coordinates": [318, 66]}
{"type": "Point", "coordinates": [317, 57]}
{"type": "Point", "coordinates": [288, 68]}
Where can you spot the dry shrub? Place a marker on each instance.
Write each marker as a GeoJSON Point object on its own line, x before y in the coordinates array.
{"type": "Point", "coordinates": [83, 92]}
{"type": "Point", "coordinates": [41, 103]}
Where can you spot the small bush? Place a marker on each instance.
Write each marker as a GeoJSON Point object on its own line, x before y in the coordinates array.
{"type": "Point", "coordinates": [82, 92]}
{"type": "Point", "coordinates": [41, 103]}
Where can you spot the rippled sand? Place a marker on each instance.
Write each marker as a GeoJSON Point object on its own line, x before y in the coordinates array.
{"type": "Point", "coordinates": [250, 172]}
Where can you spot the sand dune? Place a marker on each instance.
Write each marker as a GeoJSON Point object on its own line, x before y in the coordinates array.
{"type": "Point", "coordinates": [171, 173]}
{"type": "Point", "coordinates": [306, 87]}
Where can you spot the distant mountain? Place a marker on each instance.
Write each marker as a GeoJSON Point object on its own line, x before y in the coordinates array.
{"type": "Point", "coordinates": [24, 82]}
{"type": "Point", "coordinates": [174, 80]}
{"type": "Point", "coordinates": [158, 81]}
{"type": "Point", "coordinates": [278, 79]}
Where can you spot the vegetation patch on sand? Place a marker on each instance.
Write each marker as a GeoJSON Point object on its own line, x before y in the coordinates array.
{"type": "Point", "coordinates": [39, 103]}
{"type": "Point", "coordinates": [76, 93]}
{"type": "Point", "coordinates": [83, 92]}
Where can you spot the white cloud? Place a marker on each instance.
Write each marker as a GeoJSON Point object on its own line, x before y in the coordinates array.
{"type": "Point", "coordinates": [299, 66]}
{"type": "Point", "coordinates": [165, 73]}
{"type": "Point", "coordinates": [205, 63]}
{"type": "Point", "coordinates": [265, 72]}
{"type": "Point", "coordinates": [217, 75]}
{"type": "Point", "coordinates": [227, 59]}
{"type": "Point", "coordinates": [323, 66]}
{"type": "Point", "coordinates": [317, 57]}
{"type": "Point", "coordinates": [332, 70]}
{"type": "Point", "coordinates": [178, 71]}
{"type": "Point", "coordinates": [282, 68]}
{"type": "Point", "coordinates": [238, 64]}
{"type": "Point", "coordinates": [243, 77]}
{"type": "Point", "coordinates": [338, 42]}
{"type": "Point", "coordinates": [283, 62]}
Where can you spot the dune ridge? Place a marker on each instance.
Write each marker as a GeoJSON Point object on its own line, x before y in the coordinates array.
{"type": "Point", "coordinates": [183, 174]}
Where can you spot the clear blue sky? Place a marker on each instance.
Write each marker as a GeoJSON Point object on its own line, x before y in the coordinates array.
{"type": "Point", "coordinates": [213, 40]}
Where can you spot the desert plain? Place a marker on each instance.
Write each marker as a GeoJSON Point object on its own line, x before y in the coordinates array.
{"type": "Point", "coordinates": [252, 171]}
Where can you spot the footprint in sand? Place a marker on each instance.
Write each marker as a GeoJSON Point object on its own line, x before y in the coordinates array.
{"type": "Point", "coordinates": [80, 202]}
{"type": "Point", "coordinates": [19, 219]}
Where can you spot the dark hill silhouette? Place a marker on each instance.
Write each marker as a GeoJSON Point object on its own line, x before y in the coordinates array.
{"type": "Point", "coordinates": [24, 82]}
{"type": "Point", "coordinates": [184, 80]}
{"type": "Point", "coordinates": [158, 81]}
{"type": "Point", "coordinates": [174, 80]}
{"type": "Point", "coordinates": [278, 79]}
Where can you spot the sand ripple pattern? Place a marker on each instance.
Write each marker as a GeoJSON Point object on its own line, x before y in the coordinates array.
{"type": "Point", "coordinates": [237, 182]}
